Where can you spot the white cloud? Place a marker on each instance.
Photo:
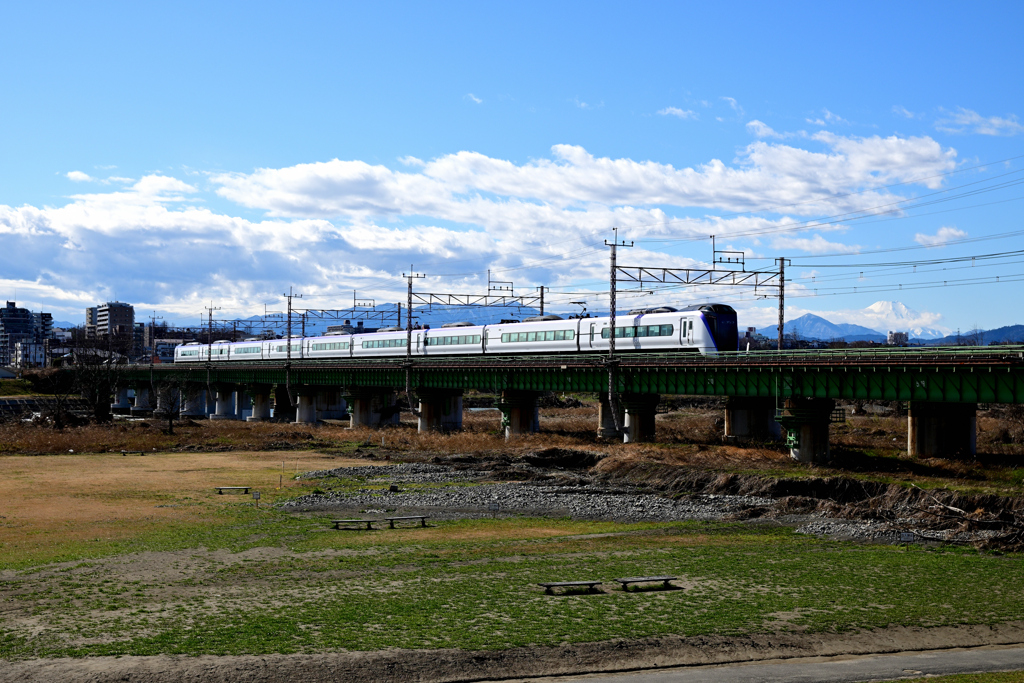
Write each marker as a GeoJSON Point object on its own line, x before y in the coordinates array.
{"type": "Point", "coordinates": [586, 105]}
{"type": "Point", "coordinates": [944, 235]}
{"type": "Point", "coordinates": [762, 130]}
{"type": "Point", "coordinates": [677, 112]}
{"type": "Point", "coordinates": [826, 118]}
{"type": "Point", "coordinates": [79, 177]}
{"type": "Point", "coordinates": [814, 245]}
{"type": "Point", "coordinates": [833, 118]}
{"type": "Point", "coordinates": [734, 104]}
{"type": "Point", "coordinates": [336, 225]}
{"type": "Point", "coordinates": [904, 112]}
{"type": "Point", "coordinates": [968, 121]}
{"type": "Point", "coordinates": [473, 98]}
{"type": "Point", "coordinates": [411, 161]}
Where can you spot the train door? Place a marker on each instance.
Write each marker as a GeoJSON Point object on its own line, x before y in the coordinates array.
{"type": "Point", "coordinates": [483, 340]}
{"type": "Point", "coordinates": [592, 329]}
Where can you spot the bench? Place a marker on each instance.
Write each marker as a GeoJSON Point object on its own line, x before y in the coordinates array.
{"type": "Point", "coordinates": [132, 453]}
{"type": "Point", "coordinates": [591, 585]}
{"type": "Point", "coordinates": [358, 522]}
{"type": "Point", "coordinates": [222, 489]}
{"type": "Point", "coordinates": [646, 579]}
{"type": "Point", "coordinates": [392, 520]}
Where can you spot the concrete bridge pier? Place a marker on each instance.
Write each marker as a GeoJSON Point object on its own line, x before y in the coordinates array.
{"type": "Point", "coordinates": [166, 401]}
{"type": "Point", "coordinates": [121, 404]}
{"type": "Point", "coordinates": [284, 411]}
{"type": "Point", "coordinates": [260, 402]}
{"type": "Point", "coordinates": [942, 430]}
{"type": "Point", "coordinates": [806, 421]}
{"type": "Point", "coordinates": [639, 423]}
{"type": "Point", "coordinates": [605, 421]}
{"type": "Point", "coordinates": [305, 407]}
{"type": "Point", "coordinates": [225, 404]}
{"type": "Point", "coordinates": [142, 405]}
{"type": "Point", "coordinates": [193, 403]}
{"type": "Point", "coordinates": [519, 412]}
{"type": "Point", "coordinates": [751, 418]}
{"type": "Point", "coordinates": [440, 410]}
{"type": "Point", "coordinates": [373, 407]}
{"type": "Point", "coordinates": [330, 405]}
{"type": "Point", "coordinates": [242, 402]}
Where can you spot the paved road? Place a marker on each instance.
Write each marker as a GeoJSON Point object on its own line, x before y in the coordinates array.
{"type": "Point", "coordinates": [831, 669]}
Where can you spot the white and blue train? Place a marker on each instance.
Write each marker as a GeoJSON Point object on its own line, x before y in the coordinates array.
{"type": "Point", "coordinates": [705, 329]}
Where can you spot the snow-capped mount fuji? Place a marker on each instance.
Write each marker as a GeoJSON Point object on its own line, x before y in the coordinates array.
{"type": "Point", "coordinates": [894, 315]}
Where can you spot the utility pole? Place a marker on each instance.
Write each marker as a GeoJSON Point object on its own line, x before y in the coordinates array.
{"type": "Point", "coordinates": [410, 276]}
{"type": "Point", "coordinates": [614, 244]}
{"type": "Point", "coordinates": [209, 329]}
{"type": "Point", "coordinates": [152, 334]}
{"type": "Point", "coordinates": [782, 299]}
{"type": "Point", "coordinates": [289, 295]}
{"type": "Point", "coordinates": [542, 299]}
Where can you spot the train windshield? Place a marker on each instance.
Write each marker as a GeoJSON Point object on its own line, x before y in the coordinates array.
{"type": "Point", "coordinates": [721, 320]}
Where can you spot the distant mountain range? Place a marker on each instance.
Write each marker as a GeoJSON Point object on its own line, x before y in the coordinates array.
{"type": "Point", "coordinates": [811, 326]}
{"type": "Point", "coordinates": [1010, 333]}
{"type": "Point", "coordinates": [815, 327]}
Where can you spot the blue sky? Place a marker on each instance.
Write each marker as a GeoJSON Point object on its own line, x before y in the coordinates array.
{"type": "Point", "coordinates": [170, 156]}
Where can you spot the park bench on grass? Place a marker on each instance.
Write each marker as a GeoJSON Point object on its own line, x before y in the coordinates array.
{"type": "Point", "coordinates": [132, 453]}
{"type": "Point", "coordinates": [392, 520]}
{"type": "Point", "coordinates": [358, 522]}
{"type": "Point", "coordinates": [646, 579]}
{"type": "Point", "coordinates": [591, 585]}
{"type": "Point", "coordinates": [243, 489]}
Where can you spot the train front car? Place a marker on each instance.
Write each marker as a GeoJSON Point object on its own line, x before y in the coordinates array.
{"type": "Point", "coordinates": [717, 329]}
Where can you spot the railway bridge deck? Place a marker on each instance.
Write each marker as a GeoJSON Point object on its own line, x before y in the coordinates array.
{"type": "Point", "coordinates": [796, 389]}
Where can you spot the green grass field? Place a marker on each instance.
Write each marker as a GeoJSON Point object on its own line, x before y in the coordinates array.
{"type": "Point", "coordinates": [262, 581]}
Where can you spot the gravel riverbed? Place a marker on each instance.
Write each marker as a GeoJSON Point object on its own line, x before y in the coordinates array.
{"type": "Point", "coordinates": [469, 490]}
{"type": "Point", "coordinates": [477, 497]}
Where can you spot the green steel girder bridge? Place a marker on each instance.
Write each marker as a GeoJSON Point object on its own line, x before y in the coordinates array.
{"type": "Point", "coordinates": [788, 394]}
{"type": "Point", "coordinates": [961, 375]}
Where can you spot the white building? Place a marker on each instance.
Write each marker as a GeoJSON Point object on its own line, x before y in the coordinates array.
{"type": "Point", "coordinates": [29, 355]}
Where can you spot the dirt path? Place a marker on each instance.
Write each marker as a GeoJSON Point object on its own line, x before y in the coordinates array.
{"type": "Point", "coordinates": [447, 666]}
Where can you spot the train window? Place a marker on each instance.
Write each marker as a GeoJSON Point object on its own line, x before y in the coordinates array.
{"type": "Point", "coordinates": [189, 353]}
{"type": "Point", "coordinates": [329, 346]}
{"type": "Point", "coordinates": [383, 343]}
{"type": "Point", "coordinates": [641, 331]}
{"type": "Point", "coordinates": [548, 335]}
{"type": "Point", "coordinates": [283, 348]}
{"type": "Point", "coordinates": [450, 341]}
{"type": "Point", "coordinates": [248, 349]}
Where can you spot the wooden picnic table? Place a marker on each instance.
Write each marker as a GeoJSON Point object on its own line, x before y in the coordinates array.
{"type": "Point", "coordinates": [646, 579]}
{"type": "Point", "coordinates": [591, 585]}
{"type": "Point", "coordinates": [358, 522]}
{"type": "Point", "coordinates": [392, 520]}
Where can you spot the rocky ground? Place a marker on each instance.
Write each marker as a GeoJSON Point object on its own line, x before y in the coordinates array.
{"type": "Point", "coordinates": [559, 483]}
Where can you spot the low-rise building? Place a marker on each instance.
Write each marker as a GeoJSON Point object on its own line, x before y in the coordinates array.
{"type": "Point", "coordinates": [29, 354]}
{"type": "Point", "coordinates": [897, 338]}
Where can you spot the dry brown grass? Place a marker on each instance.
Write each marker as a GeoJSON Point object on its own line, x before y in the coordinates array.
{"type": "Point", "coordinates": [55, 499]}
